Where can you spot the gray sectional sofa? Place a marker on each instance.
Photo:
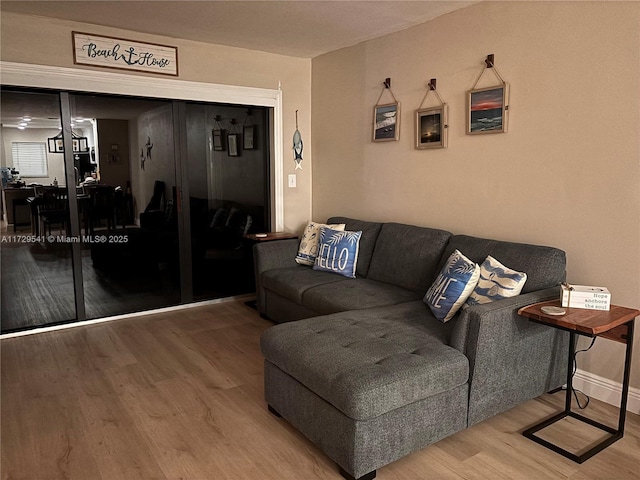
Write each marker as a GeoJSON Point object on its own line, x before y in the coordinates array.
{"type": "Point", "coordinates": [364, 370]}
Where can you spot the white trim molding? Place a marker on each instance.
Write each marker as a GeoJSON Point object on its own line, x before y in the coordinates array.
{"type": "Point", "coordinates": [606, 390]}
{"type": "Point", "coordinates": [62, 78]}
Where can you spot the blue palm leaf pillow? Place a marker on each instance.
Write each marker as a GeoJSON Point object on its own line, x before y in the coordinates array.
{"type": "Point", "coordinates": [338, 252]}
{"type": "Point", "coordinates": [496, 282]}
{"type": "Point", "coordinates": [452, 286]}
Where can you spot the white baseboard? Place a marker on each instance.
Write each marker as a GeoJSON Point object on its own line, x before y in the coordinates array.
{"type": "Point", "coordinates": [606, 390]}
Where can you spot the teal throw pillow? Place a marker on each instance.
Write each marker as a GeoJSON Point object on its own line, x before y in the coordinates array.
{"type": "Point", "coordinates": [452, 286]}
{"type": "Point", "coordinates": [496, 282]}
{"type": "Point", "coordinates": [338, 252]}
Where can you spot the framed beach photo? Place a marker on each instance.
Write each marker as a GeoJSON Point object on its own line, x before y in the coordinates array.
{"type": "Point", "coordinates": [386, 122]}
{"type": "Point", "coordinates": [487, 110]}
{"type": "Point", "coordinates": [234, 144]}
{"type": "Point", "coordinates": [431, 127]}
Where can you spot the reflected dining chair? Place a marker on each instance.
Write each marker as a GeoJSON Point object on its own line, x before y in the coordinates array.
{"type": "Point", "coordinates": [102, 206]}
{"type": "Point", "coordinates": [52, 209]}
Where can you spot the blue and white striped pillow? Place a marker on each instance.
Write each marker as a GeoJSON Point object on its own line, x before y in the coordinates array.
{"type": "Point", "coordinates": [496, 282]}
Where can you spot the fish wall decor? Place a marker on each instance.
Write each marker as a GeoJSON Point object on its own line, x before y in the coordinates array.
{"type": "Point", "coordinates": [297, 146]}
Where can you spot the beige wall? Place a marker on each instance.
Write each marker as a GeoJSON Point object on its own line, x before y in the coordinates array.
{"type": "Point", "coordinates": [567, 173]}
{"type": "Point", "coordinates": [45, 41]}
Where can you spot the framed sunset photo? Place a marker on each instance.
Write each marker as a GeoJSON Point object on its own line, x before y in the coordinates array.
{"type": "Point", "coordinates": [487, 110]}
{"type": "Point", "coordinates": [431, 127]}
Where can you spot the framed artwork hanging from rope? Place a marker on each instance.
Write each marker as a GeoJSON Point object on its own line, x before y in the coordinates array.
{"type": "Point", "coordinates": [219, 135]}
{"type": "Point", "coordinates": [386, 117]}
{"type": "Point", "coordinates": [233, 140]}
{"type": "Point", "coordinates": [488, 107]}
{"type": "Point", "coordinates": [431, 123]}
{"type": "Point", "coordinates": [248, 132]}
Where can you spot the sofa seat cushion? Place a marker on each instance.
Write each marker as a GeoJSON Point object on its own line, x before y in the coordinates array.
{"type": "Point", "coordinates": [292, 282]}
{"type": "Point", "coordinates": [367, 363]}
{"type": "Point", "coordinates": [354, 294]}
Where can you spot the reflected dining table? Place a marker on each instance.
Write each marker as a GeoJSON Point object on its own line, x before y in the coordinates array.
{"type": "Point", "coordinates": [35, 203]}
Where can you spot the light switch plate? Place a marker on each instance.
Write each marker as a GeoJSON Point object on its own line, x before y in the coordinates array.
{"type": "Point", "coordinates": [292, 180]}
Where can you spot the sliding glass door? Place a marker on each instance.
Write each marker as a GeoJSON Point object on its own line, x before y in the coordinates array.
{"type": "Point", "coordinates": [37, 280]}
{"type": "Point", "coordinates": [227, 181]}
{"type": "Point", "coordinates": [128, 214]}
{"type": "Point", "coordinates": [153, 196]}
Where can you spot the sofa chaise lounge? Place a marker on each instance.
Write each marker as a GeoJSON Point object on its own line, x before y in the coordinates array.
{"type": "Point", "coordinates": [363, 369]}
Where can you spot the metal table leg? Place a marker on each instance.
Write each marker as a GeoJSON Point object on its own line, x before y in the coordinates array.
{"type": "Point", "coordinates": [616, 434]}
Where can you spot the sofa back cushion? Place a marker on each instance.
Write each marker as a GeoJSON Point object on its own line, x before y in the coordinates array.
{"type": "Point", "coordinates": [370, 231]}
{"type": "Point", "coordinates": [545, 266]}
{"type": "Point", "coordinates": [407, 256]}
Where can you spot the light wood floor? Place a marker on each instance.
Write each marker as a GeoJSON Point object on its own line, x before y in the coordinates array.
{"type": "Point", "coordinates": [179, 396]}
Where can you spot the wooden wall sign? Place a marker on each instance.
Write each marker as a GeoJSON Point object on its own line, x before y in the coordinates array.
{"type": "Point", "coordinates": [110, 52]}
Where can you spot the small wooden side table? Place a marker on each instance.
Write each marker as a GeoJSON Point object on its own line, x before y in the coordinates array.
{"type": "Point", "coordinates": [616, 324]}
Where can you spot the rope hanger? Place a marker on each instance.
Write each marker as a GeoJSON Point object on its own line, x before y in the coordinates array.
{"type": "Point", "coordinates": [386, 85]}
{"type": "Point", "coordinates": [248, 120]}
{"type": "Point", "coordinates": [431, 88]}
{"type": "Point", "coordinates": [489, 64]}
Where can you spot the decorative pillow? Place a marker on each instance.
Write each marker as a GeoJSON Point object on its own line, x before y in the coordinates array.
{"type": "Point", "coordinates": [452, 286]}
{"type": "Point", "coordinates": [219, 218]}
{"type": "Point", "coordinates": [496, 282]}
{"type": "Point", "coordinates": [235, 211]}
{"type": "Point", "coordinates": [309, 244]}
{"type": "Point", "coordinates": [338, 252]}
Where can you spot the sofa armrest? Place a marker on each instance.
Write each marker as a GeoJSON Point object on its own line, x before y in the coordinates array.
{"type": "Point", "coordinates": [511, 359]}
{"type": "Point", "coordinates": [271, 255]}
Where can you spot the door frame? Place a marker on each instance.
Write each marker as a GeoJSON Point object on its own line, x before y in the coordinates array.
{"type": "Point", "coordinates": [81, 80]}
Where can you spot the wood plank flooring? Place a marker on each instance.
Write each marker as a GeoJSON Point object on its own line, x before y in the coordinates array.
{"type": "Point", "coordinates": [179, 396]}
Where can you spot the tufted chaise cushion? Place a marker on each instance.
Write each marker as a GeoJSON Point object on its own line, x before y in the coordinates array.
{"type": "Point", "coordinates": [368, 362]}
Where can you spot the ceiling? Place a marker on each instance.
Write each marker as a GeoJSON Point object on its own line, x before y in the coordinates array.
{"type": "Point", "coordinates": [299, 28]}
{"type": "Point", "coordinates": [302, 28]}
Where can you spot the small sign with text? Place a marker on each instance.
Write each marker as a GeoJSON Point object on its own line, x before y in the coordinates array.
{"type": "Point", "coordinates": [100, 51]}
